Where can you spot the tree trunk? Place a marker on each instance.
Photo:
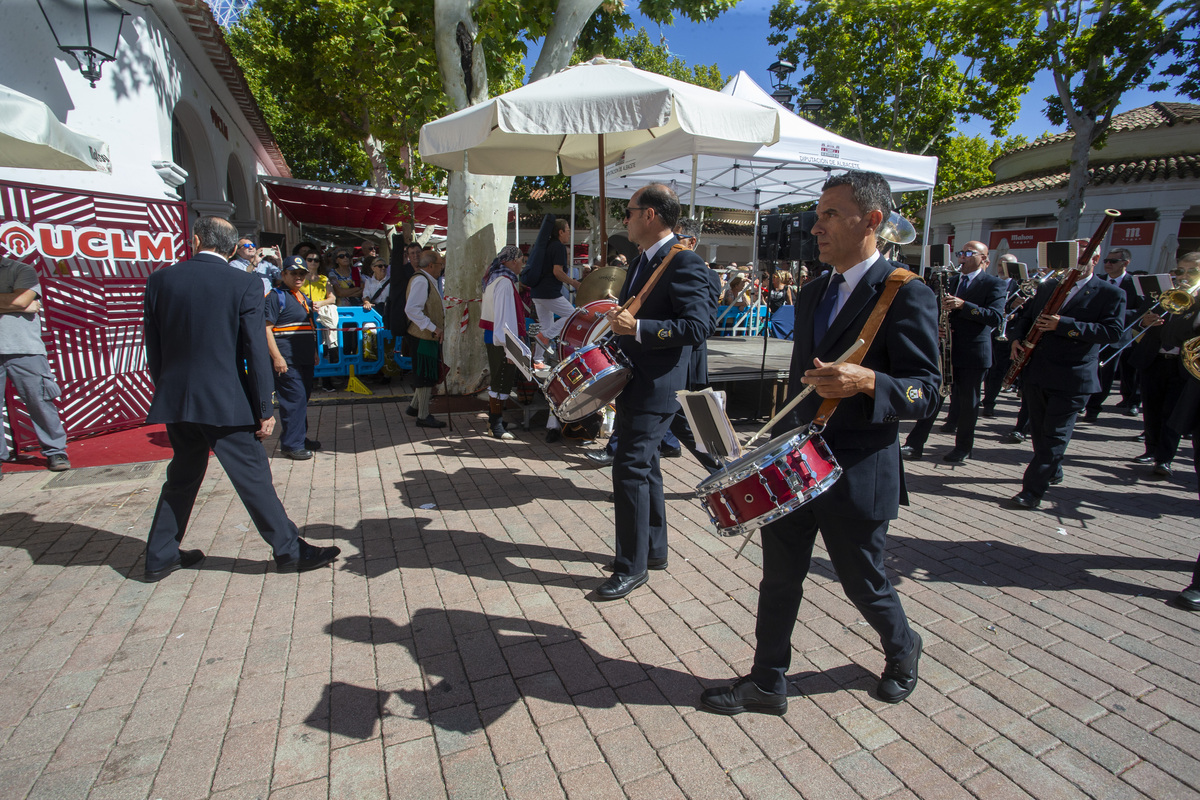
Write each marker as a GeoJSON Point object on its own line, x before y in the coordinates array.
{"type": "Point", "coordinates": [377, 156]}
{"type": "Point", "coordinates": [1084, 127]}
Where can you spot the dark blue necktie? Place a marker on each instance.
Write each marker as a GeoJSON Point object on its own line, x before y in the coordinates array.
{"type": "Point", "coordinates": [637, 268]}
{"type": "Point", "coordinates": [963, 283]}
{"type": "Point", "coordinates": [824, 316]}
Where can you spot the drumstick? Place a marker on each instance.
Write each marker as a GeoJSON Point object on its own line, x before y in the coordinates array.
{"type": "Point", "coordinates": [796, 400]}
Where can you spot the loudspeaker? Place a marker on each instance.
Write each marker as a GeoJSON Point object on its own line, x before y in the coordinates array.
{"type": "Point", "coordinates": [768, 237]}
{"type": "Point", "coordinates": [938, 255]}
{"type": "Point", "coordinates": [801, 244]}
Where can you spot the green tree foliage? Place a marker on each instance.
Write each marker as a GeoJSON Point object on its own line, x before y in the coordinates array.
{"type": "Point", "coordinates": [966, 163]}
{"type": "Point", "coordinates": [1099, 51]}
{"type": "Point", "coordinates": [902, 75]}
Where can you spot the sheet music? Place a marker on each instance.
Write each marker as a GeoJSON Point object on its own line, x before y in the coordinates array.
{"type": "Point", "coordinates": [705, 411]}
{"type": "Point", "coordinates": [518, 353]}
{"type": "Point", "coordinates": [1152, 285]}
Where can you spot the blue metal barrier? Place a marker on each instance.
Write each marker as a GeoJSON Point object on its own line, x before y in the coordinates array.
{"type": "Point", "coordinates": [734, 321]}
{"type": "Point", "coordinates": [352, 322]}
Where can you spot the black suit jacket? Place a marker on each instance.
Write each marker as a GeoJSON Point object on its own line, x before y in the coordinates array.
{"type": "Point", "coordinates": [1065, 359]}
{"type": "Point", "coordinates": [698, 367]}
{"type": "Point", "coordinates": [971, 326]}
{"type": "Point", "coordinates": [863, 431]}
{"type": "Point", "coordinates": [204, 319]}
{"type": "Point", "coordinates": [676, 317]}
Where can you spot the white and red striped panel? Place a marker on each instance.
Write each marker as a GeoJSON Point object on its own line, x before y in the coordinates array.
{"type": "Point", "coordinates": [92, 322]}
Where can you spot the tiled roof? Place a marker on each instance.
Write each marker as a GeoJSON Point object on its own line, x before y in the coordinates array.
{"type": "Point", "coordinates": [1155, 115]}
{"type": "Point", "coordinates": [1146, 170]}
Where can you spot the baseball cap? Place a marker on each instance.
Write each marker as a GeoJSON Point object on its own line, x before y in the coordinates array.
{"type": "Point", "coordinates": [294, 264]}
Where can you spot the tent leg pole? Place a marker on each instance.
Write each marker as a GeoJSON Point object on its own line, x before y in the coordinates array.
{"type": "Point", "coordinates": [925, 233]}
{"type": "Point", "coordinates": [695, 164]}
{"type": "Point", "coordinates": [603, 206]}
{"type": "Point", "coordinates": [571, 254]}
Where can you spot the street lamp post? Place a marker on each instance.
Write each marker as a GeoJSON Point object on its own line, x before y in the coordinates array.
{"type": "Point", "coordinates": [783, 94]}
{"type": "Point", "coordinates": [90, 30]}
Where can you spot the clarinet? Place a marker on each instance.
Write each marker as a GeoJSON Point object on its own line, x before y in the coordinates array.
{"type": "Point", "coordinates": [940, 279]}
{"type": "Point", "coordinates": [1058, 297]}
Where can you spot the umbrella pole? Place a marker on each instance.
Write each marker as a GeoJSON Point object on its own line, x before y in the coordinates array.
{"type": "Point", "coordinates": [695, 161]}
{"type": "Point", "coordinates": [603, 208]}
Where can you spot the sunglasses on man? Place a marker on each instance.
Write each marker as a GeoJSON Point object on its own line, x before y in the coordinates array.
{"type": "Point", "coordinates": [249, 246]}
{"type": "Point", "coordinates": [966, 253]}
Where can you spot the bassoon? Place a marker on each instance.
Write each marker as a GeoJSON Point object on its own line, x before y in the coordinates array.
{"type": "Point", "coordinates": [1024, 349]}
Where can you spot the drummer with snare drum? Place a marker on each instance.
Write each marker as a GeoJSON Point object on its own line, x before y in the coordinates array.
{"type": "Point", "coordinates": [896, 379]}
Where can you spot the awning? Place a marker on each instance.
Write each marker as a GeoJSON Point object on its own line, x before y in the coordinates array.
{"type": "Point", "coordinates": [337, 205]}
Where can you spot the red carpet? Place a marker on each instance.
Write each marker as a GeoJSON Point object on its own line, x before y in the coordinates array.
{"type": "Point", "coordinates": [130, 446]}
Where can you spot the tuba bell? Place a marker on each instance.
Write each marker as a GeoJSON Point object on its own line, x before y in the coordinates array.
{"type": "Point", "coordinates": [1190, 353]}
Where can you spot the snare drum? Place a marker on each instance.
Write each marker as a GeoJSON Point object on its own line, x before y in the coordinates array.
{"type": "Point", "coordinates": [587, 381]}
{"type": "Point", "coordinates": [769, 482]}
{"type": "Point", "coordinates": [582, 327]}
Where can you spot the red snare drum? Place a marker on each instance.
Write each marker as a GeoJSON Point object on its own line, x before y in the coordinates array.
{"type": "Point", "coordinates": [769, 482]}
{"type": "Point", "coordinates": [582, 327]}
{"type": "Point", "coordinates": [587, 381]}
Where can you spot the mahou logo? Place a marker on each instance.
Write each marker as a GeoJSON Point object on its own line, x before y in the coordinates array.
{"type": "Point", "coordinates": [104, 244]}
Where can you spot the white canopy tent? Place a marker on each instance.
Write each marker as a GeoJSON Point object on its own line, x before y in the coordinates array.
{"type": "Point", "coordinates": [31, 137]}
{"type": "Point", "coordinates": [790, 171]}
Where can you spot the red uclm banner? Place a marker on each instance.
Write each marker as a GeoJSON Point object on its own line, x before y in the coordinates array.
{"type": "Point", "coordinates": [1132, 234]}
{"type": "Point", "coordinates": [1021, 238]}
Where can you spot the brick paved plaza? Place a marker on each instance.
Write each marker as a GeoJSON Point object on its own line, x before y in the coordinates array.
{"type": "Point", "coordinates": [455, 652]}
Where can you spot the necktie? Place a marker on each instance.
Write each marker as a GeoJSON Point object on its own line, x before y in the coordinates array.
{"type": "Point", "coordinates": [963, 283]}
{"type": "Point", "coordinates": [637, 269]}
{"type": "Point", "coordinates": [825, 309]}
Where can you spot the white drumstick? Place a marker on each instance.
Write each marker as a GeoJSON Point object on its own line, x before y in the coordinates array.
{"type": "Point", "coordinates": [796, 400]}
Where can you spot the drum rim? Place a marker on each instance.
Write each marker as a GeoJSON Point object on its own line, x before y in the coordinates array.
{"type": "Point", "coordinates": [724, 478]}
{"type": "Point", "coordinates": [781, 511]}
{"type": "Point", "coordinates": [561, 409]}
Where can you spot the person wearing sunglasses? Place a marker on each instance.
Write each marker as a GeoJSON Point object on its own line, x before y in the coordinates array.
{"type": "Point", "coordinates": [1116, 265]}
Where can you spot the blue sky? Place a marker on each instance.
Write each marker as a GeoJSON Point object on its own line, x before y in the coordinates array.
{"type": "Point", "coordinates": [737, 40]}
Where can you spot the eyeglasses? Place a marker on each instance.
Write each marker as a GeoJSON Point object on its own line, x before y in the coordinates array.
{"type": "Point", "coordinates": [249, 246]}
{"type": "Point", "coordinates": [343, 255]}
{"type": "Point", "coordinates": [1114, 261]}
{"type": "Point", "coordinates": [966, 253]}
{"type": "Point", "coordinates": [312, 260]}
{"type": "Point", "coordinates": [630, 209]}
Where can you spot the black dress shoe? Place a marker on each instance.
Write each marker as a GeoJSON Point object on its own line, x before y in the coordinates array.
{"type": "Point", "coordinates": [1056, 480]}
{"type": "Point", "coordinates": [1162, 470]}
{"type": "Point", "coordinates": [312, 444]}
{"type": "Point", "coordinates": [1025, 500]}
{"type": "Point", "coordinates": [956, 456]}
{"type": "Point", "coordinates": [610, 498]}
{"type": "Point", "coordinates": [430, 422]}
{"type": "Point", "coordinates": [911, 453]}
{"type": "Point", "coordinates": [618, 586]}
{"type": "Point", "coordinates": [651, 563]}
{"type": "Point", "coordinates": [298, 455]}
{"type": "Point", "coordinates": [987, 412]}
{"type": "Point", "coordinates": [900, 677]}
{"type": "Point", "coordinates": [187, 559]}
{"type": "Point", "coordinates": [1144, 458]}
{"type": "Point", "coordinates": [1189, 599]}
{"type": "Point", "coordinates": [311, 557]}
{"type": "Point", "coordinates": [1013, 437]}
{"type": "Point", "coordinates": [742, 695]}
{"type": "Point", "coordinates": [1091, 416]}
{"type": "Point", "coordinates": [949, 427]}
{"type": "Point", "coordinates": [411, 411]}
{"type": "Point", "coordinates": [670, 452]}
{"type": "Point", "coordinates": [553, 435]}
{"type": "Point", "coordinates": [599, 458]}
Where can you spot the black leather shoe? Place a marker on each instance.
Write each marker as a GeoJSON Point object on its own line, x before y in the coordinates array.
{"type": "Point", "coordinates": [1162, 470]}
{"type": "Point", "coordinates": [312, 444]}
{"type": "Point", "coordinates": [671, 452]}
{"type": "Point", "coordinates": [987, 412]}
{"type": "Point", "coordinates": [411, 411]}
{"type": "Point", "coordinates": [311, 557]}
{"type": "Point", "coordinates": [1025, 500]}
{"type": "Point", "coordinates": [610, 498]}
{"type": "Point", "coordinates": [553, 435]}
{"type": "Point", "coordinates": [949, 427]}
{"type": "Point", "coordinates": [298, 455]}
{"type": "Point", "coordinates": [956, 456]}
{"type": "Point", "coordinates": [58, 462]}
{"type": "Point", "coordinates": [1056, 480]}
{"type": "Point", "coordinates": [187, 559]}
{"type": "Point", "coordinates": [1128, 411]}
{"type": "Point", "coordinates": [1189, 599]}
{"type": "Point", "coordinates": [599, 458]}
{"type": "Point", "coordinates": [1144, 458]}
{"type": "Point", "coordinates": [651, 563]}
{"type": "Point", "coordinates": [742, 695]}
{"type": "Point", "coordinates": [430, 422]}
{"type": "Point", "coordinates": [1091, 416]}
{"type": "Point", "coordinates": [618, 586]}
{"type": "Point", "coordinates": [1013, 437]}
{"type": "Point", "coordinates": [900, 677]}
{"type": "Point", "coordinates": [911, 453]}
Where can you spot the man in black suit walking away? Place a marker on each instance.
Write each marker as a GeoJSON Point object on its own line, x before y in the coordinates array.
{"type": "Point", "coordinates": [976, 305]}
{"type": "Point", "coordinates": [897, 378]}
{"type": "Point", "coordinates": [1061, 372]}
{"type": "Point", "coordinates": [203, 319]}
{"type": "Point", "coordinates": [675, 315]}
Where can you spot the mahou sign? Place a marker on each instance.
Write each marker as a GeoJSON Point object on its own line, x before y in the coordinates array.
{"type": "Point", "coordinates": [92, 254]}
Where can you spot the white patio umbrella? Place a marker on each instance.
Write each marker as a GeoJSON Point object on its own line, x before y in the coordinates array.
{"type": "Point", "coordinates": [31, 137]}
{"type": "Point", "coordinates": [587, 116]}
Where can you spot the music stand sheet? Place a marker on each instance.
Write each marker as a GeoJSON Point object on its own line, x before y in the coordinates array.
{"type": "Point", "coordinates": [710, 424]}
{"type": "Point", "coordinates": [518, 353]}
{"type": "Point", "coordinates": [1152, 285]}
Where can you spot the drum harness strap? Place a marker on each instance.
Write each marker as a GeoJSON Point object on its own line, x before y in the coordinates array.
{"type": "Point", "coordinates": [634, 304]}
{"type": "Point", "coordinates": [898, 278]}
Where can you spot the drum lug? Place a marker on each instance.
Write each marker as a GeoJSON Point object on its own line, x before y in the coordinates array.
{"type": "Point", "coordinates": [766, 485]}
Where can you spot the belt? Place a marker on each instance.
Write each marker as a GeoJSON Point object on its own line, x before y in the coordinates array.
{"type": "Point", "coordinates": [1168, 356]}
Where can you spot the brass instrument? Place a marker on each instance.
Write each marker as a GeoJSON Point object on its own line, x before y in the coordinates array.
{"type": "Point", "coordinates": [1190, 353]}
{"type": "Point", "coordinates": [939, 281]}
{"type": "Point", "coordinates": [896, 230]}
{"type": "Point", "coordinates": [1174, 301]}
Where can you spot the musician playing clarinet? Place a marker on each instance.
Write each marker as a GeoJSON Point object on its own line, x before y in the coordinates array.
{"type": "Point", "coordinates": [1062, 370]}
{"type": "Point", "coordinates": [897, 379]}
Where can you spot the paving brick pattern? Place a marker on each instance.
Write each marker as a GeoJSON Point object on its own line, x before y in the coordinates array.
{"type": "Point", "coordinates": [455, 652]}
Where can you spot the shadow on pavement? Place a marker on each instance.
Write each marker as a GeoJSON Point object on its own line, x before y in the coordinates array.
{"type": "Point", "coordinates": [498, 488]}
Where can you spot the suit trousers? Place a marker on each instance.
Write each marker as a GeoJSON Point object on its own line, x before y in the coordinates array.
{"type": "Point", "coordinates": [245, 462]}
{"type": "Point", "coordinates": [1162, 384]}
{"type": "Point", "coordinates": [856, 549]}
{"type": "Point", "coordinates": [35, 385]}
{"type": "Point", "coordinates": [641, 509]}
{"type": "Point", "coordinates": [1108, 373]}
{"type": "Point", "coordinates": [293, 388]}
{"type": "Point", "coordinates": [964, 405]}
{"type": "Point", "coordinates": [1052, 415]}
{"type": "Point", "coordinates": [994, 382]}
